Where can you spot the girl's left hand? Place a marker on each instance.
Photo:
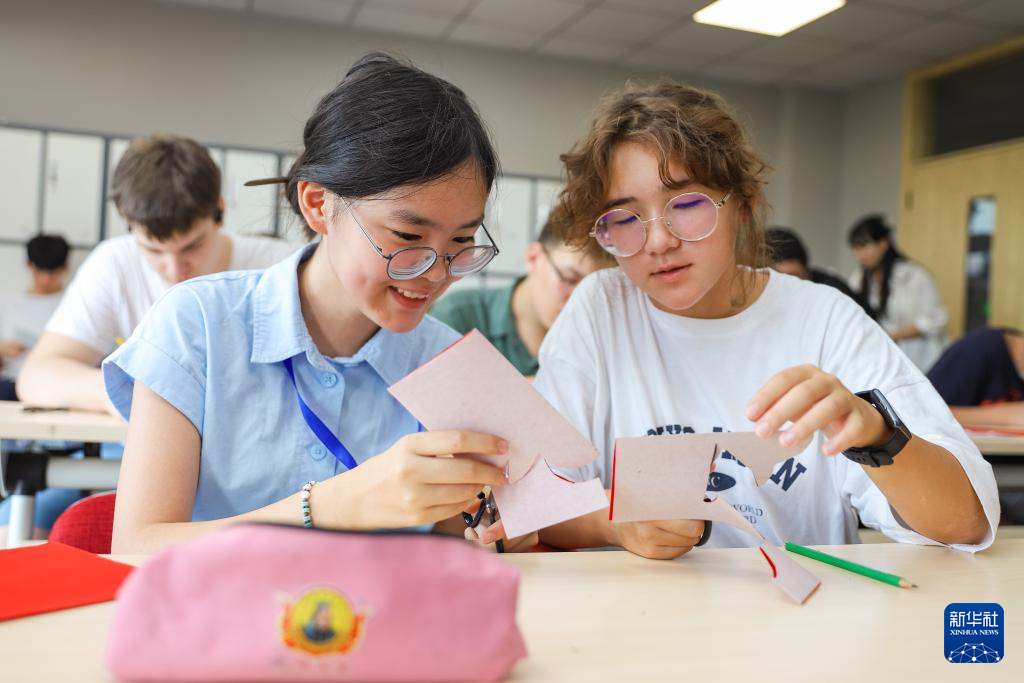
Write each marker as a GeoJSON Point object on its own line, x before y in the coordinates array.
{"type": "Point", "coordinates": [813, 399]}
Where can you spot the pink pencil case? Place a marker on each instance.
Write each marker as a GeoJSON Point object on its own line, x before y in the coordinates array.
{"type": "Point", "coordinates": [261, 602]}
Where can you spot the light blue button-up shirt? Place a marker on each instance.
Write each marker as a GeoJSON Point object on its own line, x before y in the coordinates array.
{"type": "Point", "coordinates": [212, 347]}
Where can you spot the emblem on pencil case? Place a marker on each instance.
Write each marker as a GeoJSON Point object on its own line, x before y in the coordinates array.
{"type": "Point", "coordinates": [322, 621]}
{"type": "Point", "coordinates": [974, 633]}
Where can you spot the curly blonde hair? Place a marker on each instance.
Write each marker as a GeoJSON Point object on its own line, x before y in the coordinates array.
{"type": "Point", "coordinates": [679, 124]}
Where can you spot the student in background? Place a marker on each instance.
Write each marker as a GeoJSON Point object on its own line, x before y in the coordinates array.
{"type": "Point", "coordinates": [789, 255]}
{"type": "Point", "coordinates": [516, 318]}
{"type": "Point", "coordinates": [981, 377]}
{"type": "Point", "coordinates": [691, 332]}
{"type": "Point", "coordinates": [168, 189]}
{"type": "Point", "coordinates": [900, 293]}
{"type": "Point", "coordinates": [23, 315]}
{"type": "Point", "coordinates": [393, 177]}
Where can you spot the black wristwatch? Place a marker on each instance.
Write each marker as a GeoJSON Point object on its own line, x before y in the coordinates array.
{"type": "Point", "coordinates": [883, 454]}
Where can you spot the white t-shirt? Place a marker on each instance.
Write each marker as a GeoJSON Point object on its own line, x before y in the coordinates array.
{"type": "Point", "coordinates": [913, 300]}
{"type": "Point", "coordinates": [616, 366]}
{"type": "Point", "coordinates": [23, 318]}
{"type": "Point", "coordinates": [115, 286]}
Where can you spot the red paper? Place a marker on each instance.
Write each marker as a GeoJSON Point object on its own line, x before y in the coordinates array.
{"type": "Point", "coordinates": [53, 576]}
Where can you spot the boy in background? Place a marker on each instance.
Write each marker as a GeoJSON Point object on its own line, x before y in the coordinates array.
{"type": "Point", "coordinates": [23, 315]}
{"type": "Point", "coordinates": [516, 318]}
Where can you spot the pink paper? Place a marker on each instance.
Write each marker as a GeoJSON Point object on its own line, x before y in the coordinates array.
{"type": "Point", "coordinates": [665, 477]}
{"type": "Point", "coordinates": [542, 498]}
{"type": "Point", "coordinates": [471, 386]}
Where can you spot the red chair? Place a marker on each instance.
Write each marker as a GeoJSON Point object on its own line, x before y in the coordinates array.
{"type": "Point", "coordinates": [88, 524]}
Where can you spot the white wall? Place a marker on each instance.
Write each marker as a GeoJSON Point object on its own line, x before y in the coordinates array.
{"type": "Point", "coordinates": [130, 67]}
{"type": "Point", "coordinates": [870, 181]}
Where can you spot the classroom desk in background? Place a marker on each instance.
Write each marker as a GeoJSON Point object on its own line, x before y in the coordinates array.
{"type": "Point", "coordinates": [89, 428]}
{"type": "Point", "coordinates": [711, 616]}
{"type": "Point", "coordinates": [1006, 453]}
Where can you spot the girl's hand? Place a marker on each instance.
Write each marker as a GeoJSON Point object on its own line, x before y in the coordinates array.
{"type": "Point", "coordinates": [416, 481]}
{"type": "Point", "coordinates": [812, 399]}
{"type": "Point", "coordinates": [662, 540]}
{"type": "Point", "coordinates": [488, 535]}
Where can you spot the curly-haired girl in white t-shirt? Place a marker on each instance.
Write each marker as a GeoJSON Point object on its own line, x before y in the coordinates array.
{"type": "Point", "coordinates": [690, 333]}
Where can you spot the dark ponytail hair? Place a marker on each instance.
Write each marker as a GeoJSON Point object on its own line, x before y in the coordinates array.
{"type": "Point", "coordinates": [870, 229]}
{"type": "Point", "coordinates": [388, 124]}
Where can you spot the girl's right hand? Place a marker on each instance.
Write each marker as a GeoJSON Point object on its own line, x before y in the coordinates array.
{"type": "Point", "coordinates": [661, 540]}
{"type": "Point", "coordinates": [417, 481]}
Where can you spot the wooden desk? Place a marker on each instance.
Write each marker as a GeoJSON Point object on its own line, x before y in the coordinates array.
{"type": "Point", "coordinates": [711, 616]}
{"type": "Point", "coordinates": [59, 425]}
{"type": "Point", "coordinates": [62, 425]}
{"type": "Point", "coordinates": [998, 445]}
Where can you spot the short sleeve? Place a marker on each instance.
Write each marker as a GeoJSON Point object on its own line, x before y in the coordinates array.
{"type": "Point", "coordinates": [931, 316]}
{"type": "Point", "coordinates": [863, 357]}
{"type": "Point", "coordinates": [88, 311]}
{"type": "Point", "coordinates": [168, 354]}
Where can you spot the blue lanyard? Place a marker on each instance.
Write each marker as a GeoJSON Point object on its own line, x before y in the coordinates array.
{"type": "Point", "coordinates": [334, 445]}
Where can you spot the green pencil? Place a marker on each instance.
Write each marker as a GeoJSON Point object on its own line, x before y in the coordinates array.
{"type": "Point", "coordinates": [891, 579]}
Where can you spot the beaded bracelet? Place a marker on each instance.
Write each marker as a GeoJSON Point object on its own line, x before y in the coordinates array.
{"type": "Point", "coordinates": [307, 517]}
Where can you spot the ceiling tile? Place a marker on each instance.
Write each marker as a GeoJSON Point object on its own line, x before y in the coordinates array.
{"type": "Point", "coordinates": [235, 5]}
{"type": "Point", "coordinates": [376, 17]}
{"type": "Point", "coordinates": [579, 48]}
{"type": "Point", "coordinates": [711, 41]}
{"type": "Point", "coordinates": [862, 24]}
{"type": "Point", "coordinates": [493, 35]}
{"type": "Point", "coordinates": [673, 8]}
{"type": "Point", "coordinates": [540, 16]}
{"type": "Point", "coordinates": [450, 8]}
{"type": "Point", "coordinates": [674, 61]}
{"type": "Point", "coordinates": [1003, 13]}
{"type": "Point", "coordinates": [793, 50]}
{"type": "Point", "coordinates": [946, 38]}
{"type": "Point", "coordinates": [623, 27]}
{"type": "Point", "coordinates": [746, 72]}
{"type": "Point", "coordinates": [924, 6]}
{"type": "Point", "coordinates": [332, 11]}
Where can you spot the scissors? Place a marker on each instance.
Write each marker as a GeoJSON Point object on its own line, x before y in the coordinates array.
{"type": "Point", "coordinates": [488, 507]}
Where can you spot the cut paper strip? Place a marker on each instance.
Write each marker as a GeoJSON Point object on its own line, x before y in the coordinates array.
{"type": "Point", "coordinates": [788, 575]}
{"type": "Point", "coordinates": [471, 386]}
{"type": "Point", "coordinates": [665, 477]}
{"type": "Point", "coordinates": [542, 498]}
{"type": "Point", "coordinates": [54, 576]}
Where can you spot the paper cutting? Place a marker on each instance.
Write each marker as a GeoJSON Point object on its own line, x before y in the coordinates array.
{"type": "Point", "coordinates": [471, 386]}
{"type": "Point", "coordinates": [666, 477]}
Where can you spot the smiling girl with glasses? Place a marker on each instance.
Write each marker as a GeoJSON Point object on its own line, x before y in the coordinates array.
{"type": "Point", "coordinates": [691, 333]}
{"type": "Point", "coordinates": [246, 389]}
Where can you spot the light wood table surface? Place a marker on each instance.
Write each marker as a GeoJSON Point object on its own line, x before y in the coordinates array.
{"type": "Point", "coordinates": [711, 616]}
{"type": "Point", "coordinates": [59, 425]}
{"type": "Point", "coordinates": [55, 425]}
{"type": "Point", "coordinates": [998, 445]}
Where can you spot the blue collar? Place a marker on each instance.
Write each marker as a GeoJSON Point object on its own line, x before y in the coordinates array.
{"type": "Point", "coordinates": [279, 330]}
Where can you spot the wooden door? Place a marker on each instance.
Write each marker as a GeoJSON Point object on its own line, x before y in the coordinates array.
{"type": "Point", "coordinates": [934, 228]}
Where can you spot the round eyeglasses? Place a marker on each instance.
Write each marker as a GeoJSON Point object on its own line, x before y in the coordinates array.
{"type": "Point", "coordinates": [691, 217]}
{"type": "Point", "coordinates": [408, 263]}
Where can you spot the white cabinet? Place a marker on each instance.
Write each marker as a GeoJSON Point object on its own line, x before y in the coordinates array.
{"type": "Point", "coordinates": [114, 225]}
{"type": "Point", "coordinates": [21, 157]}
{"type": "Point", "coordinates": [249, 210]}
{"type": "Point", "coordinates": [509, 220]}
{"type": "Point", "coordinates": [73, 187]}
